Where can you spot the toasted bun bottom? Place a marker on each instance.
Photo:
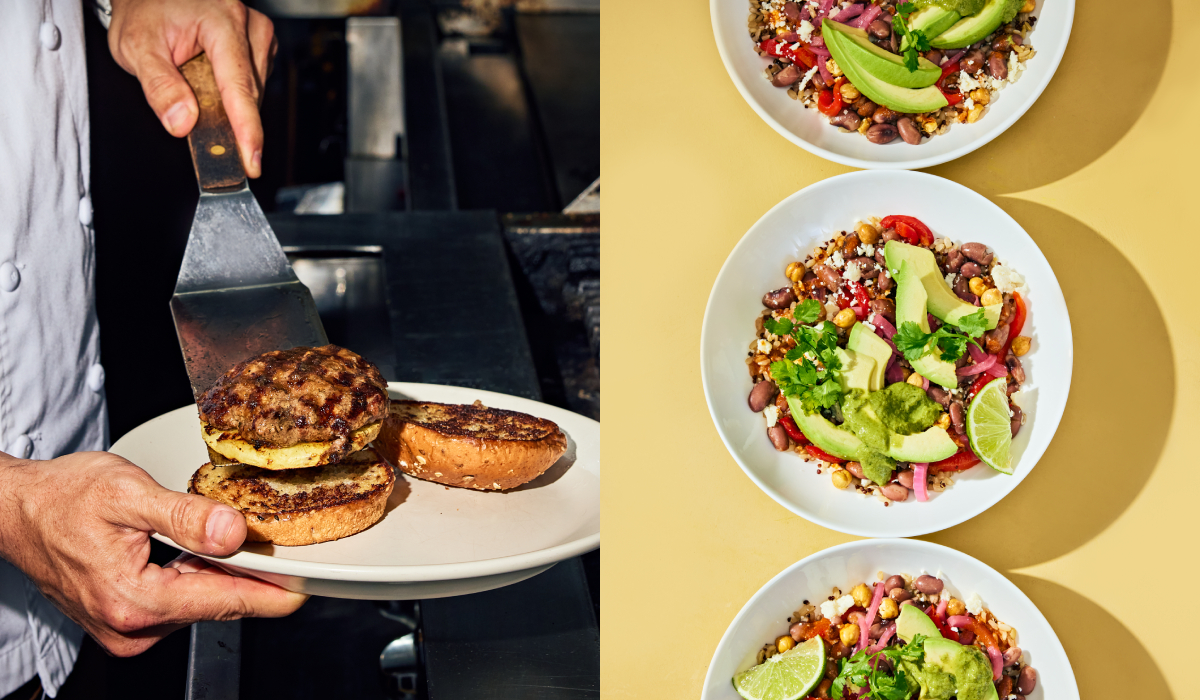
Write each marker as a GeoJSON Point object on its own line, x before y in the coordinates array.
{"type": "Point", "coordinates": [473, 463]}
{"type": "Point", "coordinates": [298, 456]}
{"type": "Point", "coordinates": [312, 527]}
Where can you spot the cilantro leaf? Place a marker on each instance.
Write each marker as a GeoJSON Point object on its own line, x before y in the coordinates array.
{"type": "Point", "coordinates": [807, 311]}
{"type": "Point", "coordinates": [866, 670]}
{"type": "Point", "coordinates": [911, 341]}
{"type": "Point", "coordinates": [778, 326]}
{"type": "Point", "coordinates": [809, 371]}
{"type": "Point", "coordinates": [952, 346]}
{"type": "Point", "coordinates": [905, 9]}
{"type": "Point", "coordinates": [974, 324]}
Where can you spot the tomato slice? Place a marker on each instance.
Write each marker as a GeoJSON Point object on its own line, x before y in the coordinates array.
{"type": "Point", "coordinates": [923, 235]}
{"type": "Point", "coordinates": [1014, 327]}
{"type": "Point", "coordinates": [818, 453]}
{"type": "Point", "coordinates": [860, 293]}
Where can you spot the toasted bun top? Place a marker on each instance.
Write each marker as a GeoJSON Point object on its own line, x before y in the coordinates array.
{"type": "Point", "coordinates": [474, 421]}
{"type": "Point", "coordinates": [300, 395]}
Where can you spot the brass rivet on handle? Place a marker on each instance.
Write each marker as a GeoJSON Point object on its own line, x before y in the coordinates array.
{"type": "Point", "coordinates": [217, 150]}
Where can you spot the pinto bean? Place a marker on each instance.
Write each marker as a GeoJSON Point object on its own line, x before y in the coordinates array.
{"type": "Point", "coordinates": [884, 284]}
{"type": "Point", "coordinates": [792, 10]}
{"type": "Point", "coordinates": [934, 57]}
{"type": "Point", "coordinates": [938, 394]}
{"type": "Point", "coordinates": [779, 299]}
{"type": "Point", "coordinates": [798, 630]}
{"type": "Point", "coordinates": [879, 256]}
{"type": "Point", "coordinates": [855, 468]}
{"type": "Point", "coordinates": [880, 29]}
{"type": "Point", "coordinates": [850, 245]}
{"type": "Point", "coordinates": [977, 252]}
{"type": "Point", "coordinates": [899, 594]}
{"type": "Point", "coordinates": [782, 404]}
{"type": "Point", "coordinates": [894, 492]}
{"type": "Point", "coordinates": [787, 77]}
{"type": "Point", "coordinates": [864, 107]}
{"type": "Point", "coordinates": [969, 270]}
{"type": "Point", "coordinates": [1015, 368]}
{"type": "Point", "coordinates": [882, 133]}
{"type": "Point", "coordinates": [966, 637]}
{"type": "Point", "coordinates": [908, 131]}
{"type": "Point", "coordinates": [963, 289]}
{"type": "Point", "coordinates": [762, 395]}
{"type": "Point", "coordinates": [956, 417]}
{"type": "Point", "coordinates": [893, 581]}
{"type": "Point", "coordinates": [1005, 42]}
{"type": "Point", "coordinates": [866, 266]}
{"type": "Point", "coordinates": [885, 308]}
{"type": "Point", "coordinates": [779, 437]}
{"type": "Point", "coordinates": [846, 119]}
{"type": "Point", "coordinates": [818, 82]}
{"type": "Point", "coordinates": [876, 631]}
{"type": "Point", "coordinates": [883, 115]}
{"type": "Point", "coordinates": [997, 66]}
{"type": "Point", "coordinates": [972, 62]}
{"type": "Point", "coordinates": [929, 585]}
{"type": "Point", "coordinates": [1026, 680]}
{"type": "Point", "coordinates": [905, 477]}
{"type": "Point", "coordinates": [826, 274]}
{"type": "Point", "coordinates": [823, 689]}
{"type": "Point", "coordinates": [955, 260]}
{"type": "Point", "coordinates": [889, 234]}
{"type": "Point", "coordinates": [1004, 687]}
{"type": "Point", "coordinates": [894, 43]}
{"type": "Point", "coordinates": [1012, 656]}
{"type": "Point", "coordinates": [995, 338]}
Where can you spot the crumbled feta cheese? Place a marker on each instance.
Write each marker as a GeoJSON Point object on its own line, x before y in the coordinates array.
{"type": "Point", "coordinates": [1014, 67]}
{"type": "Point", "coordinates": [764, 346]}
{"type": "Point", "coordinates": [867, 249]}
{"type": "Point", "coordinates": [852, 273]}
{"type": "Point", "coordinates": [950, 278]}
{"type": "Point", "coordinates": [966, 83]}
{"type": "Point", "coordinates": [807, 77]}
{"type": "Point", "coordinates": [805, 30]}
{"type": "Point", "coordinates": [831, 310]}
{"type": "Point", "coordinates": [1007, 279]}
{"type": "Point", "coordinates": [870, 326]}
{"type": "Point", "coordinates": [836, 260]}
{"type": "Point", "coordinates": [968, 103]}
{"type": "Point", "coordinates": [837, 608]}
{"type": "Point", "coordinates": [974, 604]}
{"type": "Point", "coordinates": [771, 413]}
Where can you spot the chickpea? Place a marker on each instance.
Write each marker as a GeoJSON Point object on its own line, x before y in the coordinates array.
{"type": "Point", "coordinates": [849, 92]}
{"type": "Point", "coordinates": [868, 234]}
{"type": "Point", "coordinates": [784, 643]}
{"type": "Point", "coordinates": [888, 609]}
{"type": "Point", "coordinates": [955, 607]}
{"type": "Point", "coordinates": [1020, 345]}
{"type": "Point", "coordinates": [841, 478]}
{"type": "Point", "coordinates": [849, 635]}
{"type": "Point", "coordinates": [943, 421]}
{"type": "Point", "coordinates": [832, 66]}
{"type": "Point", "coordinates": [845, 318]}
{"type": "Point", "coordinates": [991, 297]}
{"type": "Point", "coordinates": [975, 113]}
{"type": "Point", "coordinates": [795, 271]}
{"type": "Point", "coordinates": [861, 595]}
{"type": "Point", "coordinates": [981, 96]}
{"type": "Point", "coordinates": [915, 379]}
{"type": "Point", "coordinates": [978, 286]}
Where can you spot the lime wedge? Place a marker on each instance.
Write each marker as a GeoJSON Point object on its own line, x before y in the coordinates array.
{"type": "Point", "coordinates": [785, 676]}
{"type": "Point", "coordinates": [989, 426]}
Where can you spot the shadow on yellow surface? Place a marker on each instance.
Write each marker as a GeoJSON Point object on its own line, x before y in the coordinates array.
{"type": "Point", "coordinates": [1106, 79]}
{"type": "Point", "coordinates": [1115, 424]}
{"type": "Point", "coordinates": [1107, 659]}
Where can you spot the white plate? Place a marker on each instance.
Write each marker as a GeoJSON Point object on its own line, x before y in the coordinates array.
{"type": "Point", "coordinates": [434, 540]}
{"type": "Point", "coordinates": [765, 616]}
{"type": "Point", "coordinates": [811, 130]}
{"type": "Point", "coordinates": [789, 232]}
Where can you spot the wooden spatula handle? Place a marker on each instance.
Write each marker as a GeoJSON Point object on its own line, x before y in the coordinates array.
{"type": "Point", "coordinates": [214, 147]}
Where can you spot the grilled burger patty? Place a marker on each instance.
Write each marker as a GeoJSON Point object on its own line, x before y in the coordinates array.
{"type": "Point", "coordinates": [286, 397]}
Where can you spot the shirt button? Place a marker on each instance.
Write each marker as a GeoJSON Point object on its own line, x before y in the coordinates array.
{"type": "Point", "coordinates": [21, 448]}
{"type": "Point", "coordinates": [49, 36]}
{"type": "Point", "coordinates": [95, 377]}
{"type": "Point", "coordinates": [85, 211]}
{"type": "Point", "coordinates": [10, 278]}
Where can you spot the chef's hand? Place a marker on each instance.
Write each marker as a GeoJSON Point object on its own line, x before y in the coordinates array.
{"type": "Point", "coordinates": [151, 38]}
{"type": "Point", "coordinates": [80, 526]}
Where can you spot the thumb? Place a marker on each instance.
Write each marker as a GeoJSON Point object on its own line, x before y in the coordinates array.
{"type": "Point", "coordinates": [168, 93]}
{"type": "Point", "coordinates": [195, 522]}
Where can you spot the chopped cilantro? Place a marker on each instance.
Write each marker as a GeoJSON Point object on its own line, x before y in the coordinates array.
{"type": "Point", "coordinates": [865, 670]}
{"type": "Point", "coordinates": [916, 39]}
{"type": "Point", "coordinates": [809, 371]}
{"type": "Point", "coordinates": [912, 342]}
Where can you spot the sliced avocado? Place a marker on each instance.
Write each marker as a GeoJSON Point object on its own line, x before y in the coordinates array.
{"type": "Point", "coordinates": [968, 667]}
{"type": "Point", "coordinates": [913, 622]}
{"type": "Point", "coordinates": [881, 64]}
{"type": "Point", "coordinates": [864, 342]}
{"type": "Point", "coordinates": [824, 434]}
{"type": "Point", "coordinates": [900, 99]}
{"type": "Point", "coordinates": [943, 303]}
{"type": "Point", "coordinates": [911, 304]}
{"type": "Point", "coordinates": [971, 29]}
{"type": "Point", "coordinates": [932, 20]}
{"type": "Point", "coordinates": [857, 370]}
{"type": "Point", "coordinates": [930, 446]}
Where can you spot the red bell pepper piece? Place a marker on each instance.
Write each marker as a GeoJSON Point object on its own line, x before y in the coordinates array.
{"type": "Point", "coordinates": [782, 49]}
{"type": "Point", "coordinates": [960, 461]}
{"type": "Point", "coordinates": [793, 430]}
{"type": "Point", "coordinates": [860, 293]}
{"type": "Point", "coordinates": [818, 453]}
{"type": "Point", "coordinates": [829, 102]}
{"type": "Point", "coordinates": [923, 236]}
{"type": "Point", "coordinates": [1014, 327]}
{"type": "Point", "coordinates": [952, 97]}
{"type": "Point", "coordinates": [981, 382]}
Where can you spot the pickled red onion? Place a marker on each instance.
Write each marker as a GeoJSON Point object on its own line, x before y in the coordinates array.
{"type": "Point", "coordinates": [977, 368]}
{"type": "Point", "coordinates": [941, 608]}
{"type": "Point", "coordinates": [977, 353]}
{"type": "Point", "coordinates": [999, 369]}
{"type": "Point", "coordinates": [920, 476]}
{"type": "Point", "coordinates": [962, 622]}
{"type": "Point", "coordinates": [864, 622]}
{"type": "Point", "coordinates": [864, 20]}
{"type": "Point", "coordinates": [924, 383]}
{"type": "Point", "coordinates": [997, 662]}
{"type": "Point", "coordinates": [883, 638]}
{"type": "Point", "coordinates": [884, 325]}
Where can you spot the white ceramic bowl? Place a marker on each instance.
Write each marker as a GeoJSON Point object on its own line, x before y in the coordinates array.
{"type": "Point", "coordinates": [810, 130]}
{"type": "Point", "coordinates": [433, 541]}
{"type": "Point", "coordinates": [789, 232]}
{"type": "Point", "coordinates": [765, 616]}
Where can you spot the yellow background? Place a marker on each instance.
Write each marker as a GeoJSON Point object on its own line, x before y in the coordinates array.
{"type": "Point", "coordinates": [1102, 173]}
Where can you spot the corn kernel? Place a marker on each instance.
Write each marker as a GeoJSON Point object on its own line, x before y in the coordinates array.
{"type": "Point", "coordinates": [981, 96]}
{"type": "Point", "coordinates": [1029, 6]}
{"type": "Point", "coordinates": [943, 421]}
{"type": "Point", "coordinates": [1020, 345]}
{"type": "Point", "coordinates": [978, 286]}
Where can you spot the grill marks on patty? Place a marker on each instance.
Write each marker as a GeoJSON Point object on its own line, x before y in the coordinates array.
{"type": "Point", "coordinates": [304, 394]}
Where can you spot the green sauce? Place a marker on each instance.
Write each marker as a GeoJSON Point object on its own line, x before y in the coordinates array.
{"type": "Point", "coordinates": [951, 670]}
{"type": "Point", "coordinates": [861, 420]}
{"type": "Point", "coordinates": [904, 408]}
{"type": "Point", "coordinates": [962, 7]}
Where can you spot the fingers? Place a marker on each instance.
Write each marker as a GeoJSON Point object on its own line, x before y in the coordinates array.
{"type": "Point", "coordinates": [195, 522]}
{"type": "Point", "coordinates": [263, 45]}
{"type": "Point", "coordinates": [183, 598]}
{"type": "Point", "coordinates": [167, 92]}
{"type": "Point", "coordinates": [228, 50]}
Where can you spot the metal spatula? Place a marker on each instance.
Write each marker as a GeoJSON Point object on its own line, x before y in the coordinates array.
{"type": "Point", "coordinates": [236, 296]}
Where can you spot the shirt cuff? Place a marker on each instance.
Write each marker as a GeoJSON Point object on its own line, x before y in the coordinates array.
{"type": "Point", "coordinates": [103, 10]}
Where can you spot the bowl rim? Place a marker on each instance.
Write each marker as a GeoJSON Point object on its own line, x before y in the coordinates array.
{"type": "Point", "coordinates": [707, 327]}
{"type": "Point", "coordinates": [934, 549]}
{"type": "Point", "coordinates": [985, 137]}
